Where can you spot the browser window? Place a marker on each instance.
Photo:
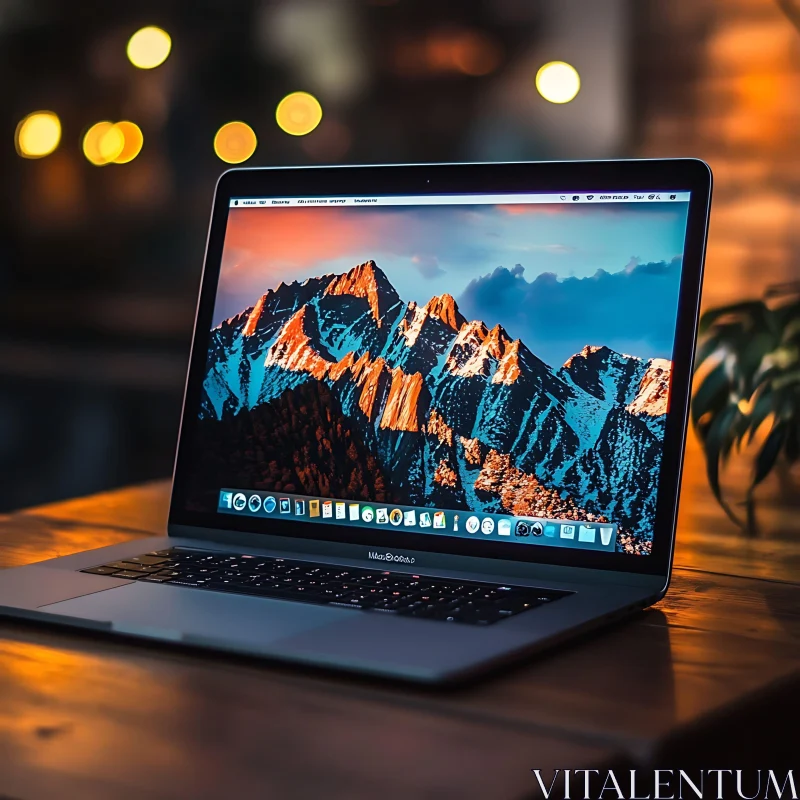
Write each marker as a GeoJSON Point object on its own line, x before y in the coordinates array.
{"type": "Point", "coordinates": [478, 366]}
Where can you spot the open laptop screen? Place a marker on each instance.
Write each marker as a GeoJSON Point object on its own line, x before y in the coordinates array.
{"type": "Point", "coordinates": [480, 366]}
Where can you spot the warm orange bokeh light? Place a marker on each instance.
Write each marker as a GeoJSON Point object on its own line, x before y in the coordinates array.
{"type": "Point", "coordinates": [466, 51]}
{"type": "Point", "coordinates": [474, 54]}
{"type": "Point", "coordinates": [298, 113]}
{"type": "Point", "coordinates": [102, 143]}
{"type": "Point", "coordinates": [133, 141]}
{"type": "Point", "coordinates": [235, 142]}
{"type": "Point", "coordinates": [38, 134]}
{"type": "Point", "coordinates": [106, 143]}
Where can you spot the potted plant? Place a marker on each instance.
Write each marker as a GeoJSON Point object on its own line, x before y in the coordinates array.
{"type": "Point", "coordinates": [749, 354]}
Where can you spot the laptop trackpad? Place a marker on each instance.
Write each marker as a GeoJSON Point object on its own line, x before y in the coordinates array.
{"type": "Point", "coordinates": [170, 611]}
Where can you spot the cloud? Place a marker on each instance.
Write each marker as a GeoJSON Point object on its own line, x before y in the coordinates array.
{"type": "Point", "coordinates": [427, 266]}
{"type": "Point", "coordinates": [631, 311]}
{"type": "Point", "coordinates": [632, 264]}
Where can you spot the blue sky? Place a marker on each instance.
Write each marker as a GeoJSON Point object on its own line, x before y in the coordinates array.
{"type": "Point", "coordinates": [557, 276]}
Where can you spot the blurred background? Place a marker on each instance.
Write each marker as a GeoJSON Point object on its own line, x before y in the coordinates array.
{"type": "Point", "coordinates": [117, 119]}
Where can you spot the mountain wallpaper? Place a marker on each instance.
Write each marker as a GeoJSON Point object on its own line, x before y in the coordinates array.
{"type": "Point", "coordinates": [338, 386]}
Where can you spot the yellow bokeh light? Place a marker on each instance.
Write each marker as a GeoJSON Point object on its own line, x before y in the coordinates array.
{"type": "Point", "coordinates": [298, 113]}
{"type": "Point", "coordinates": [132, 141]}
{"type": "Point", "coordinates": [38, 134]}
{"type": "Point", "coordinates": [111, 144]}
{"type": "Point", "coordinates": [149, 47]}
{"type": "Point", "coordinates": [107, 142]}
{"type": "Point", "coordinates": [235, 142]}
{"type": "Point", "coordinates": [103, 143]}
{"type": "Point", "coordinates": [558, 82]}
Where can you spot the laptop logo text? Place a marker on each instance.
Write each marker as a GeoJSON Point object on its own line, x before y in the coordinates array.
{"type": "Point", "coordinates": [375, 556]}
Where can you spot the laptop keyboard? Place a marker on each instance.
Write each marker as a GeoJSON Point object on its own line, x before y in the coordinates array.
{"type": "Point", "coordinates": [323, 584]}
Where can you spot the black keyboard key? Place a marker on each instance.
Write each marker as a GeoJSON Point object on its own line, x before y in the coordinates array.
{"type": "Point", "coordinates": [147, 560]}
{"type": "Point", "coordinates": [132, 567]}
{"type": "Point", "coordinates": [101, 570]}
{"type": "Point", "coordinates": [129, 574]}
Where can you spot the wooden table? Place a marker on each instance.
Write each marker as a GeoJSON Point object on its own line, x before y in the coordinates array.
{"type": "Point", "coordinates": [712, 670]}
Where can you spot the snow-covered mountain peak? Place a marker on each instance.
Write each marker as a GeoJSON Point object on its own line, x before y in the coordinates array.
{"type": "Point", "coordinates": [652, 397]}
{"type": "Point", "coordinates": [297, 347]}
{"type": "Point", "coordinates": [472, 334]}
{"type": "Point", "coordinates": [444, 308]}
{"type": "Point", "coordinates": [254, 316]}
{"type": "Point", "coordinates": [368, 281]}
{"type": "Point", "coordinates": [476, 350]}
{"type": "Point", "coordinates": [604, 373]}
{"type": "Point", "coordinates": [497, 341]}
{"type": "Point", "coordinates": [590, 353]}
{"type": "Point", "coordinates": [509, 370]}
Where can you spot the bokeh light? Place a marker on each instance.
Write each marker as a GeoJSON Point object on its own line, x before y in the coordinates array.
{"type": "Point", "coordinates": [235, 142]}
{"type": "Point", "coordinates": [298, 113]}
{"type": "Point", "coordinates": [475, 54]}
{"type": "Point", "coordinates": [558, 82]}
{"type": "Point", "coordinates": [149, 47]}
{"type": "Point", "coordinates": [38, 134]}
{"type": "Point", "coordinates": [133, 141]}
{"type": "Point", "coordinates": [103, 143]}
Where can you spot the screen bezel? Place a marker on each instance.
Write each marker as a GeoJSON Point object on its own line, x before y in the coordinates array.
{"type": "Point", "coordinates": [551, 177]}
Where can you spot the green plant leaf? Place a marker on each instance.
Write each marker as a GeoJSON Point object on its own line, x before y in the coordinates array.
{"type": "Point", "coordinates": [727, 337]}
{"type": "Point", "coordinates": [757, 350]}
{"type": "Point", "coordinates": [750, 357]}
{"type": "Point", "coordinates": [765, 460]}
{"type": "Point", "coordinates": [714, 443]}
{"type": "Point", "coordinates": [785, 401]}
{"type": "Point", "coordinates": [738, 429]}
{"type": "Point", "coordinates": [762, 408]}
{"type": "Point", "coordinates": [705, 349]}
{"type": "Point", "coordinates": [791, 329]}
{"type": "Point", "coordinates": [712, 394]}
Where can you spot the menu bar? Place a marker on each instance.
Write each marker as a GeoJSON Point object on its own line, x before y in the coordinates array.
{"type": "Point", "coordinates": [583, 534]}
{"type": "Point", "coordinates": [660, 196]}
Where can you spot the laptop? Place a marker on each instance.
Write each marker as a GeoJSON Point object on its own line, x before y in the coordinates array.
{"type": "Point", "coordinates": [433, 422]}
